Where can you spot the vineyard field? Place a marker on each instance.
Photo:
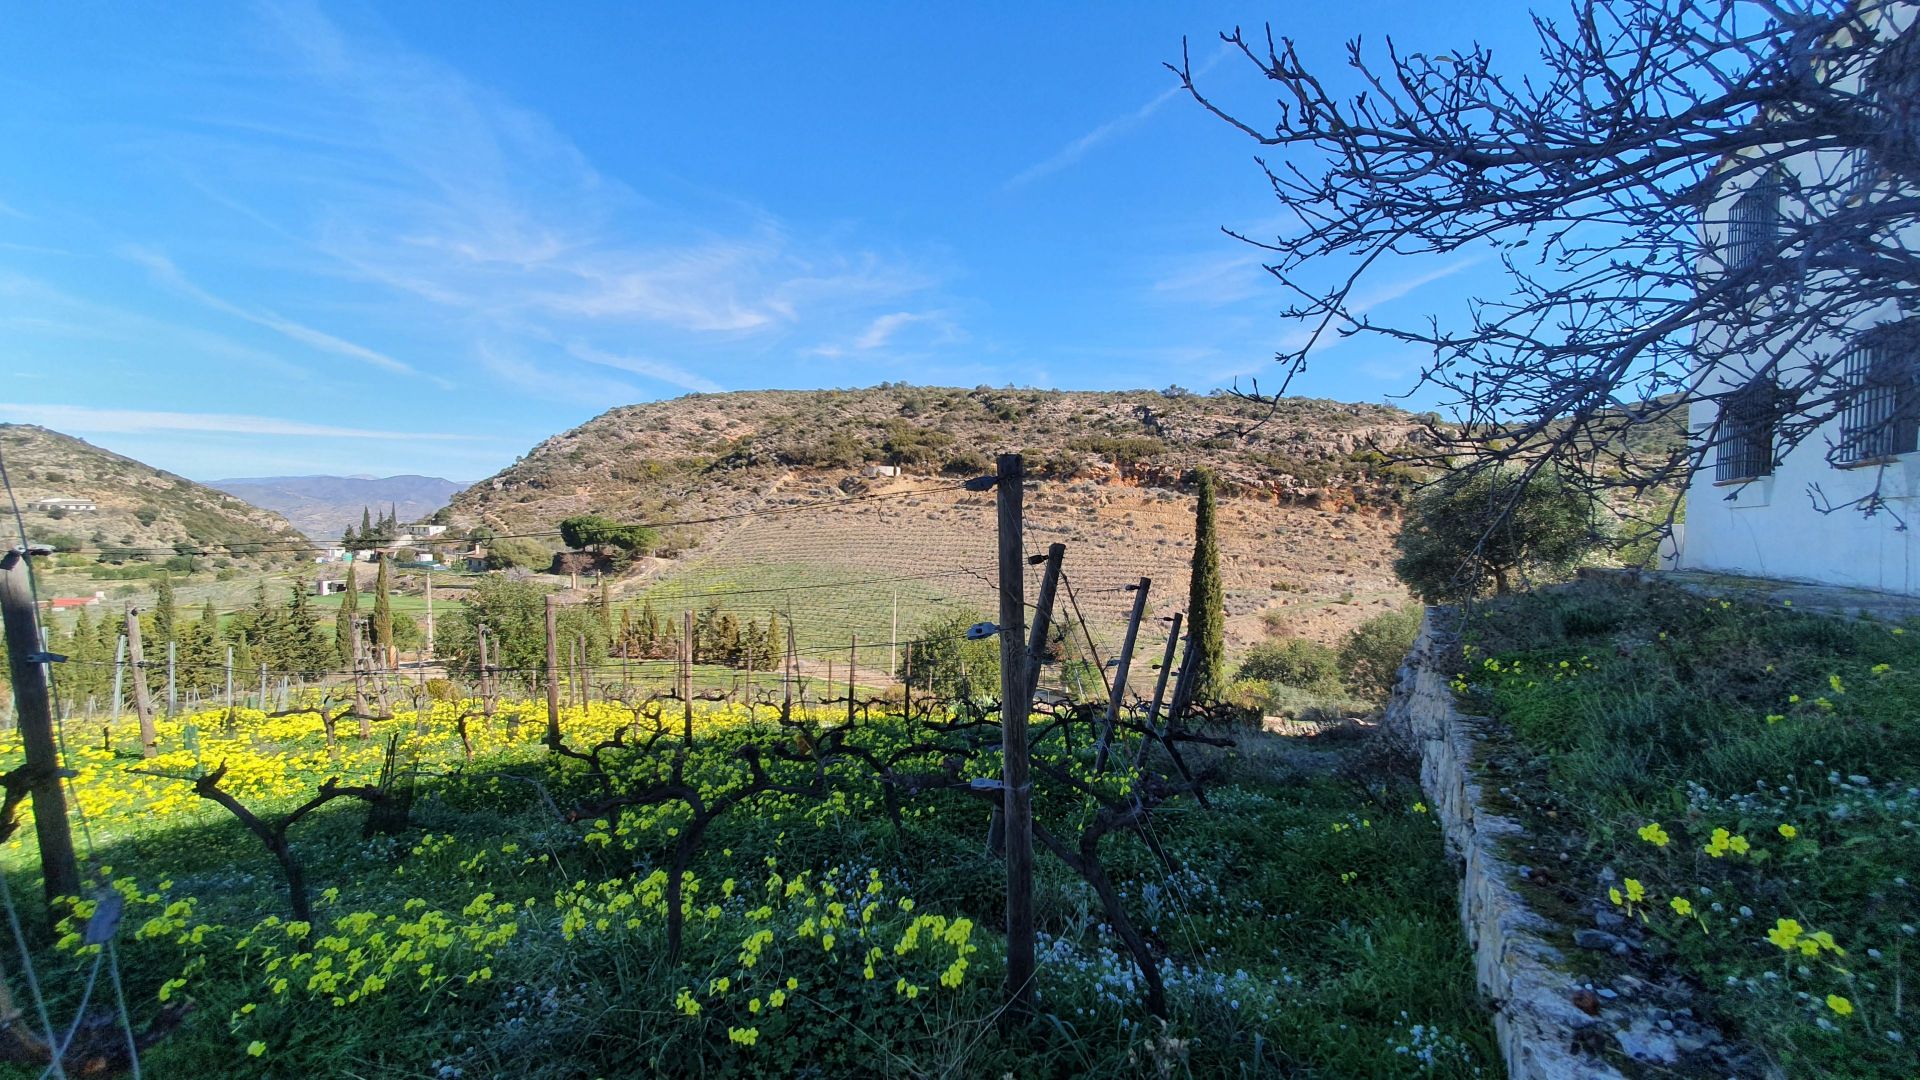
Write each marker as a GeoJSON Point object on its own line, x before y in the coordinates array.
{"type": "Point", "coordinates": [515, 919]}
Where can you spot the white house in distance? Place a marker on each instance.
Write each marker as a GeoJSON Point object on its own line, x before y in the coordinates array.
{"type": "Point", "coordinates": [1755, 508]}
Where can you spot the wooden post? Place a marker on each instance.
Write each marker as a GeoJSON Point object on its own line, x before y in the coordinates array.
{"type": "Point", "coordinates": [585, 670]}
{"type": "Point", "coordinates": [893, 639]}
{"type": "Point", "coordinates": [119, 677]}
{"type": "Point", "coordinates": [1159, 689]}
{"type": "Point", "coordinates": [1119, 693]}
{"type": "Point", "coordinates": [33, 712]}
{"type": "Point", "coordinates": [173, 694]}
{"type": "Point", "coordinates": [486, 698]}
{"type": "Point", "coordinates": [1043, 617]}
{"type": "Point", "coordinates": [1014, 701]}
{"type": "Point", "coordinates": [553, 672]}
{"type": "Point", "coordinates": [787, 672]}
{"type": "Point", "coordinates": [362, 663]}
{"type": "Point", "coordinates": [429, 656]}
{"type": "Point", "coordinates": [141, 705]}
{"type": "Point", "coordinates": [263, 687]}
{"type": "Point", "coordinates": [749, 689]}
{"type": "Point", "coordinates": [359, 668]}
{"type": "Point", "coordinates": [686, 669]}
{"type": "Point", "coordinates": [229, 689]}
{"type": "Point", "coordinates": [573, 671]}
{"type": "Point", "coordinates": [853, 662]}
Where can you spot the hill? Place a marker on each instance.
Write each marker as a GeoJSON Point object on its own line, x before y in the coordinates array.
{"type": "Point", "coordinates": [323, 506]}
{"type": "Point", "coordinates": [138, 514]}
{"type": "Point", "coordinates": [1308, 512]}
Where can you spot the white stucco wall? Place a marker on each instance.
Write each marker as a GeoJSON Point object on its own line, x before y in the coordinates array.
{"type": "Point", "coordinates": [1773, 526]}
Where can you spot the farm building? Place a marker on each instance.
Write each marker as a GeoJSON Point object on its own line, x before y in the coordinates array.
{"type": "Point", "coordinates": [874, 471]}
{"type": "Point", "coordinates": [63, 504]}
{"type": "Point", "coordinates": [1836, 507]}
{"type": "Point", "coordinates": [423, 532]}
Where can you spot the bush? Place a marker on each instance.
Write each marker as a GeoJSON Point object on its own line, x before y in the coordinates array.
{"type": "Point", "coordinates": [1372, 654]}
{"type": "Point", "coordinates": [1296, 662]}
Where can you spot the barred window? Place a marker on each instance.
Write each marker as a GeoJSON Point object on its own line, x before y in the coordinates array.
{"type": "Point", "coordinates": [1880, 412]}
{"type": "Point", "coordinates": [1747, 417]}
{"type": "Point", "coordinates": [1753, 226]}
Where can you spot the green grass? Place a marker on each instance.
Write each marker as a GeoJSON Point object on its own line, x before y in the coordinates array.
{"type": "Point", "coordinates": [1309, 930]}
{"type": "Point", "coordinates": [1629, 707]}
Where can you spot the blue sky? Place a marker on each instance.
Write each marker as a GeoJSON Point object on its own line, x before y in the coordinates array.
{"type": "Point", "coordinates": [294, 238]}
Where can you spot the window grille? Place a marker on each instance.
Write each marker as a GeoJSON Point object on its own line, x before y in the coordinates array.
{"type": "Point", "coordinates": [1880, 414]}
{"type": "Point", "coordinates": [1747, 417]}
{"type": "Point", "coordinates": [1753, 226]}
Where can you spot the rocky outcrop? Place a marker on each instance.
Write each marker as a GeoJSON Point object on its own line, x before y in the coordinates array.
{"type": "Point", "coordinates": [1535, 1018]}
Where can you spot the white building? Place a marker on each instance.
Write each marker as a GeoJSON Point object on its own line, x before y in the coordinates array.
{"type": "Point", "coordinates": [1756, 508]}
{"type": "Point", "coordinates": [67, 505]}
{"type": "Point", "coordinates": [424, 532]}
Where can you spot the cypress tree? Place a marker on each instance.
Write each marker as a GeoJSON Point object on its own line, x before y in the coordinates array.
{"type": "Point", "coordinates": [343, 619]}
{"type": "Point", "coordinates": [366, 524]}
{"type": "Point", "coordinates": [626, 632]}
{"type": "Point", "coordinates": [164, 615]}
{"type": "Point", "coordinates": [606, 606]}
{"type": "Point", "coordinates": [649, 629]}
{"type": "Point", "coordinates": [382, 611]}
{"type": "Point", "coordinates": [1206, 604]}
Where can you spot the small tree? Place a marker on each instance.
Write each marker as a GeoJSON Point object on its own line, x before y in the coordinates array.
{"type": "Point", "coordinates": [1371, 656]}
{"type": "Point", "coordinates": [1206, 604]}
{"type": "Point", "coordinates": [616, 542]}
{"type": "Point", "coordinates": [947, 662]}
{"type": "Point", "coordinates": [1477, 525]}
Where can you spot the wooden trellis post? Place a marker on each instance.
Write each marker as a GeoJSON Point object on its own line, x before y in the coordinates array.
{"type": "Point", "coordinates": [1119, 692]}
{"type": "Point", "coordinates": [141, 705]}
{"type": "Point", "coordinates": [553, 673]}
{"type": "Point", "coordinates": [1016, 793]}
{"type": "Point", "coordinates": [27, 661]}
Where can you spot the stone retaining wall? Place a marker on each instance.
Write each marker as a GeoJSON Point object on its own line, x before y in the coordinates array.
{"type": "Point", "coordinates": [1534, 1018]}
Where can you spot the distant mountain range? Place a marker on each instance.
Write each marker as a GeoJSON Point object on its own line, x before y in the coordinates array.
{"type": "Point", "coordinates": [79, 497]}
{"type": "Point", "coordinates": [323, 506]}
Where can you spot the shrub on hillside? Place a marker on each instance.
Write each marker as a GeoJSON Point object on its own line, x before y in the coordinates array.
{"type": "Point", "coordinates": [1370, 658]}
{"type": "Point", "coordinates": [1296, 662]}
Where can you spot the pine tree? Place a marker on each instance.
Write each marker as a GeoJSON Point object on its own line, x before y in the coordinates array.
{"type": "Point", "coordinates": [343, 620]}
{"type": "Point", "coordinates": [1206, 605]}
{"type": "Point", "coordinates": [164, 615]}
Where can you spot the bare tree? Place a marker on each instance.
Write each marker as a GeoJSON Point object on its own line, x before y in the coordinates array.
{"type": "Point", "coordinates": [1691, 200]}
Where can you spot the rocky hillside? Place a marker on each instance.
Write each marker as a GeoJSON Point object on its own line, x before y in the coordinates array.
{"type": "Point", "coordinates": [1307, 520]}
{"type": "Point", "coordinates": [323, 506]}
{"type": "Point", "coordinates": [140, 514]}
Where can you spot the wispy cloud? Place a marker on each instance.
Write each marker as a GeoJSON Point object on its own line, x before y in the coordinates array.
{"type": "Point", "coordinates": [1214, 279]}
{"type": "Point", "coordinates": [551, 382]}
{"type": "Point", "coordinates": [652, 369]}
{"type": "Point", "coordinates": [442, 189]}
{"type": "Point", "coordinates": [1119, 125]}
{"type": "Point", "coordinates": [86, 418]}
{"type": "Point", "coordinates": [164, 271]}
{"type": "Point", "coordinates": [936, 328]}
